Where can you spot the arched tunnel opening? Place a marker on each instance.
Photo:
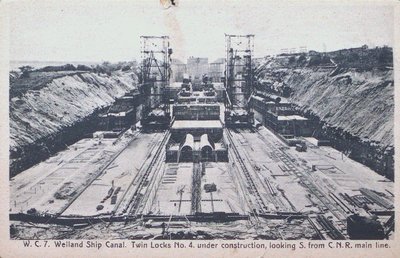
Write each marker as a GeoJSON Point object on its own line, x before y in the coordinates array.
{"type": "Point", "coordinates": [186, 150]}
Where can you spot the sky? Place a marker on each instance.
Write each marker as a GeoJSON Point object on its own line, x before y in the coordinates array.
{"type": "Point", "coordinates": [43, 30]}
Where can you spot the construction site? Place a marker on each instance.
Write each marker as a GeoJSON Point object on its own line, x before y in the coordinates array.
{"type": "Point", "coordinates": [226, 150]}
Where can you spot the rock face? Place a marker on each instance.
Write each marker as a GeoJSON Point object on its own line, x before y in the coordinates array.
{"type": "Point", "coordinates": [355, 107]}
{"type": "Point", "coordinates": [64, 107]}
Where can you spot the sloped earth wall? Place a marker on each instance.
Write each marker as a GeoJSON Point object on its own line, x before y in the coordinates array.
{"type": "Point", "coordinates": [375, 156]}
{"type": "Point", "coordinates": [28, 155]}
{"type": "Point", "coordinates": [353, 109]}
{"type": "Point", "coordinates": [45, 121]}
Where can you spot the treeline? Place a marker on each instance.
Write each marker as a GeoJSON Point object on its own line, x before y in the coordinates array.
{"type": "Point", "coordinates": [362, 58]}
{"type": "Point", "coordinates": [29, 78]}
{"type": "Point", "coordinates": [108, 68]}
{"type": "Point", "coordinates": [310, 59]}
{"type": "Point", "coordinates": [104, 68]}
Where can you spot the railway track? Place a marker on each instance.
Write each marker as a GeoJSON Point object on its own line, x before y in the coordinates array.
{"type": "Point", "coordinates": [153, 182]}
{"type": "Point", "coordinates": [139, 195]}
{"type": "Point", "coordinates": [61, 164]}
{"type": "Point", "coordinates": [307, 181]}
{"type": "Point", "coordinates": [253, 189]}
{"type": "Point", "coordinates": [326, 201]}
{"type": "Point", "coordinates": [101, 171]}
{"type": "Point", "coordinates": [337, 208]}
{"type": "Point", "coordinates": [330, 228]}
{"type": "Point", "coordinates": [326, 230]}
{"type": "Point", "coordinates": [196, 188]}
{"type": "Point", "coordinates": [313, 224]}
{"type": "Point", "coordinates": [131, 185]}
{"type": "Point", "coordinates": [270, 191]}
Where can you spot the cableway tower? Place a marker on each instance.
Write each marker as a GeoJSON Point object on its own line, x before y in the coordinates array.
{"type": "Point", "coordinates": [238, 80]}
{"type": "Point", "coordinates": [154, 78]}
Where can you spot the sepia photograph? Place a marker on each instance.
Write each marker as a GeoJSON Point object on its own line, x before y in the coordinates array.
{"type": "Point", "coordinates": [201, 120]}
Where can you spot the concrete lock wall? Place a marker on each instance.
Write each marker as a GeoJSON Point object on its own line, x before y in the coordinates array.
{"type": "Point", "coordinates": [196, 112]}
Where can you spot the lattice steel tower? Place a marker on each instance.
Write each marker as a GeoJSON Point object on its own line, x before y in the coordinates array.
{"type": "Point", "coordinates": [155, 74]}
{"type": "Point", "coordinates": [239, 77]}
{"type": "Point", "coordinates": [239, 67]}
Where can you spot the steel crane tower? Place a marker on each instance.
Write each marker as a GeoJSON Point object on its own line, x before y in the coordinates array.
{"type": "Point", "coordinates": [155, 77]}
{"type": "Point", "coordinates": [238, 79]}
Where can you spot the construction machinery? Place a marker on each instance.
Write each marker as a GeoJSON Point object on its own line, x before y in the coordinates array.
{"type": "Point", "coordinates": [361, 227]}
{"type": "Point", "coordinates": [238, 80]}
{"type": "Point", "coordinates": [154, 78]}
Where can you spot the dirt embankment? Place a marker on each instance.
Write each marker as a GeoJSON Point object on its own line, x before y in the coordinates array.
{"type": "Point", "coordinates": [354, 107]}
{"type": "Point", "coordinates": [361, 104]}
{"type": "Point", "coordinates": [46, 117]}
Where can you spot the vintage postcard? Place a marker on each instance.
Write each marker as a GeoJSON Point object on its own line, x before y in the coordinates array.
{"type": "Point", "coordinates": [175, 128]}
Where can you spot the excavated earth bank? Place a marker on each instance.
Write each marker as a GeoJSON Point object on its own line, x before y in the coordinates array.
{"type": "Point", "coordinates": [46, 118]}
{"type": "Point", "coordinates": [353, 108]}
